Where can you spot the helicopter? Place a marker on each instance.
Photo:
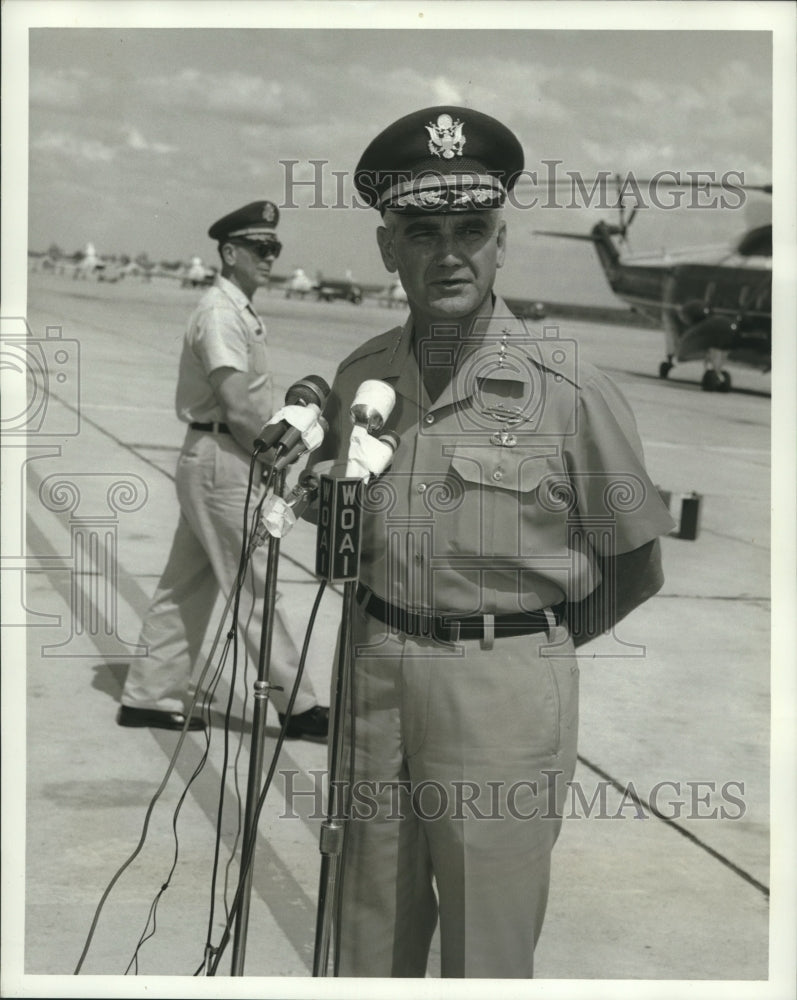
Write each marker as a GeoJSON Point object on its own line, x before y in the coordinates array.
{"type": "Point", "coordinates": [714, 311]}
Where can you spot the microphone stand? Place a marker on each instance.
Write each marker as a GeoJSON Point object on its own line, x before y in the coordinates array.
{"type": "Point", "coordinates": [262, 688]}
{"type": "Point", "coordinates": [339, 526]}
{"type": "Point", "coordinates": [334, 827]}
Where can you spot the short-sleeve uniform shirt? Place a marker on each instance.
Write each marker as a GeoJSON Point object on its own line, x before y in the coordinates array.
{"type": "Point", "coordinates": [503, 490]}
{"type": "Point", "coordinates": [224, 331]}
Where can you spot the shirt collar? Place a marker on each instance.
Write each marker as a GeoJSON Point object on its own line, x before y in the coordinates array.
{"type": "Point", "coordinates": [482, 353]}
{"type": "Point", "coordinates": [233, 292]}
{"type": "Point", "coordinates": [492, 352]}
{"type": "Point", "coordinates": [495, 336]}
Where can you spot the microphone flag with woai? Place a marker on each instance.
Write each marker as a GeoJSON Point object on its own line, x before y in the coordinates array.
{"type": "Point", "coordinates": [340, 499]}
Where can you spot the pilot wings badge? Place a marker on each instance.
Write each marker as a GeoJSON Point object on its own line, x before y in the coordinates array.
{"type": "Point", "coordinates": [510, 416]}
{"type": "Point", "coordinates": [445, 137]}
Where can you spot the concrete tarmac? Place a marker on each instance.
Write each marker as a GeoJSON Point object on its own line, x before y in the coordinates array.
{"type": "Point", "coordinates": [661, 877]}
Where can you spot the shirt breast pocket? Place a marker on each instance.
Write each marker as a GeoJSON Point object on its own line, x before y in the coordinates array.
{"type": "Point", "coordinates": [509, 470]}
{"type": "Point", "coordinates": [511, 500]}
{"type": "Point", "coordinates": [258, 355]}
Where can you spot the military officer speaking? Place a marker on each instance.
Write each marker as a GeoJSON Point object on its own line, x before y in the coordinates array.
{"type": "Point", "coordinates": [516, 520]}
{"type": "Point", "coordinates": [225, 396]}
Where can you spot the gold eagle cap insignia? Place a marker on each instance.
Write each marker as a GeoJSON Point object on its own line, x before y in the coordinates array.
{"type": "Point", "coordinates": [446, 137]}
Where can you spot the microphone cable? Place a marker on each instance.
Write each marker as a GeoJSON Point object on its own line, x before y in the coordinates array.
{"type": "Point", "coordinates": [246, 860]}
{"type": "Point", "coordinates": [233, 597]}
{"type": "Point", "coordinates": [232, 639]}
{"type": "Point", "coordinates": [243, 562]}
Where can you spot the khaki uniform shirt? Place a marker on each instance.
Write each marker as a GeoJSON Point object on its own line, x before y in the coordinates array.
{"type": "Point", "coordinates": [224, 331]}
{"type": "Point", "coordinates": [503, 490]}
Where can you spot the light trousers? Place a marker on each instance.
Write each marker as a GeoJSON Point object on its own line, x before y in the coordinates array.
{"type": "Point", "coordinates": [462, 758]}
{"type": "Point", "coordinates": [211, 480]}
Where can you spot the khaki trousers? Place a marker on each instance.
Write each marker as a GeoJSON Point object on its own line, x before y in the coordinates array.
{"type": "Point", "coordinates": [211, 481]}
{"type": "Point", "coordinates": [462, 758]}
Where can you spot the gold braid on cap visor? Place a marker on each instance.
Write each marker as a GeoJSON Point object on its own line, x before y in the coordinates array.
{"type": "Point", "coordinates": [251, 233]}
{"type": "Point", "coordinates": [463, 192]}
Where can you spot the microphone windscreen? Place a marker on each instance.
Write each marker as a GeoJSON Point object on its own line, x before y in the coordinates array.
{"type": "Point", "coordinates": [373, 404]}
{"type": "Point", "coordinates": [300, 446]}
{"type": "Point", "coordinates": [311, 389]}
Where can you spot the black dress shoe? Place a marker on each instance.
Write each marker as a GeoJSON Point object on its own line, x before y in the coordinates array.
{"type": "Point", "coordinates": [151, 717]}
{"type": "Point", "coordinates": [310, 725]}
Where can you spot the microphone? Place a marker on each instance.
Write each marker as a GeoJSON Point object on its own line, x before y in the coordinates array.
{"type": "Point", "coordinates": [312, 438]}
{"type": "Point", "coordinates": [311, 391]}
{"type": "Point", "coordinates": [280, 515]}
{"type": "Point", "coordinates": [339, 505]}
{"type": "Point", "coordinates": [373, 404]}
{"type": "Point", "coordinates": [391, 439]}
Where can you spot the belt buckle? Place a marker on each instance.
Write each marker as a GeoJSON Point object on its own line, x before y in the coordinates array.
{"type": "Point", "coordinates": [445, 630]}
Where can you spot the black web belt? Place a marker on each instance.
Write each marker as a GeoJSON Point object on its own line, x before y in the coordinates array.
{"type": "Point", "coordinates": [450, 628]}
{"type": "Point", "coordinates": [214, 428]}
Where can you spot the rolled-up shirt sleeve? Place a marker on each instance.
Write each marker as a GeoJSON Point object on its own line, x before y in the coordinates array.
{"type": "Point", "coordinates": [220, 341]}
{"type": "Point", "coordinates": [607, 471]}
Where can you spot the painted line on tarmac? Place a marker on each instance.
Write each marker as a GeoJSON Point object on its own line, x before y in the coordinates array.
{"type": "Point", "coordinates": [298, 912]}
{"type": "Point", "coordinates": [713, 448]}
{"type": "Point", "coordinates": [632, 794]}
{"type": "Point", "coordinates": [762, 546]}
{"type": "Point", "coordinates": [123, 409]}
{"type": "Point", "coordinates": [154, 465]}
{"type": "Point", "coordinates": [756, 598]}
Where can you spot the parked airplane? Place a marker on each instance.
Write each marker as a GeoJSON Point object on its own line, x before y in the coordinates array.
{"type": "Point", "coordinates": [82, 265]}
{"type": "Point", "coordinates": [196, 275]}
{"type": "Point", "coordinates": [299, 284]}
{"type": "Point", "coordinates": [89, 264]}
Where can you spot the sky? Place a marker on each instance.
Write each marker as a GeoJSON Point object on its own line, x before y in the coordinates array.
{"type": "Point", "coordinates": [140, 137]}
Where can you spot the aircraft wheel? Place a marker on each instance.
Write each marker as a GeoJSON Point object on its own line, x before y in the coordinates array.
{"type": "Point", "coordinates": [711, 380]}
{"type": "Point", "coordinates": [725, 382]}
{"type": "Point", "coordinates": [664, 369]}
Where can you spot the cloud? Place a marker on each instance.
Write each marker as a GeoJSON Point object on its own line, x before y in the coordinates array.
{"type": "Point", "coordinates": [74, 147]}
{"type": "Point", "coordinates": [445, 92]}
{"type": "Point", "coordinates": [236, 94]}
{"type": "Point", "coordinates": [82, 148]}
{"type": "Point", "coordinates": [58, 89]}
{"type": "Point", "coordinates": [135, 140]}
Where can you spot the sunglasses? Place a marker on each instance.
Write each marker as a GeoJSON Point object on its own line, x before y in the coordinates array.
{"type": "Point", "coordinates": [260, 249]}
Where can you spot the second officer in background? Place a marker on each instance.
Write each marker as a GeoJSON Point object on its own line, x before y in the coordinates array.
{"type": "Point", "coordinates": [225, 396]}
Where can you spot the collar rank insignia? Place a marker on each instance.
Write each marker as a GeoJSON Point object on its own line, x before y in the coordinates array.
{"type": "Point", "coordinates": [445, 138]}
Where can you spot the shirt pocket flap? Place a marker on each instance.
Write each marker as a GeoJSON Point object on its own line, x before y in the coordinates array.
{"type": "Point", "coordinates": [516, 469]}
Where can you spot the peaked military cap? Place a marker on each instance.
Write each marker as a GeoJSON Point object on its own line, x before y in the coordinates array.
{"type": "Point", "coordinates": [442, 159]}
{"type": "Point", "coordinates": [255, 221]}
